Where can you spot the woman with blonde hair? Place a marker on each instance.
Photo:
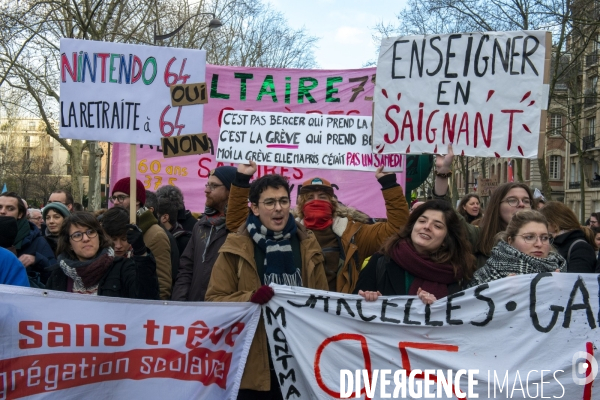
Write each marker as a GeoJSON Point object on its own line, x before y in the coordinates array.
{"type": "Point", "coordinates": [525, 247]}
{"type": "Point", "coordinates": [573, 241]}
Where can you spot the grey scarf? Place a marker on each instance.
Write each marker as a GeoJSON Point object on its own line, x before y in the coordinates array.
{"type": "Point", "coordinates": [506, 260]}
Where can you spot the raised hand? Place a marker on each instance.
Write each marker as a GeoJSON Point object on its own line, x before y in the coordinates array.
{"type": "Point", "coordinates": [247, 169]}
{"type": "Point", "coordinates": [443, 165]}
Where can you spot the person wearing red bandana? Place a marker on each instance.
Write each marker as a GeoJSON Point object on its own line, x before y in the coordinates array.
{"type": "Point", "coordinates": [345, 240]}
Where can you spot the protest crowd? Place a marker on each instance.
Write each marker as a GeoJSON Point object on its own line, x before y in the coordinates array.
{"type": "Point", "coordinates": [249, 236]}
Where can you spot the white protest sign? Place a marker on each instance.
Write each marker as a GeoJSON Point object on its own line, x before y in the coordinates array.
{"type": "Point", "coordinates": [339, 142]}
{"type": "Point", "coordinates": [527, 336]}
{"type": "Point", "coordinates": [482, 92]}
{"type": "Point", "coordinates": [121, 92]}
{"type": "Point", "coordinates": [62, 345]}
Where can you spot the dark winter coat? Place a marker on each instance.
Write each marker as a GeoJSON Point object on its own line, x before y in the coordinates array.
{"type": "Point", "coordinates": [394, 280]}
{"type": "Point", "coordinates": [186, 219]}
{"type": "Point", "coordinates": [196, 263]}
{"type": "Point", "coordinates": [133, 278]}
{"type": "Point", "coordinates": [36, 245]}
{"type": "Point", "coordinates": [583, 256]}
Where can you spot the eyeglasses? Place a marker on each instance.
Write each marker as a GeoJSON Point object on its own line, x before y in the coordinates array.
{"type": "Point", "coordinates": [530, 238]}
{"type": "Point", "coordinates": [120, 198]}
{"type": "Point", "coordinates": [78, 236]}
{"type": "Point", "coordinates": [269, 204]}
{"type": "Point", "coordinates": [36, 218]}
{"type": "Point", "coordinates": [514, 202]}
{"type": "Point", "coordinates": [212, 186]}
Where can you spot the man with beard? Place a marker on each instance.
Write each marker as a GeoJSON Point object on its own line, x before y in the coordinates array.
{"type": "Point", "coordinates": [208, 235]}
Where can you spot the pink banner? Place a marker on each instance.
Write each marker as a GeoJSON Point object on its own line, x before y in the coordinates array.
{"type": "Point", "coordinates": [342, 92]}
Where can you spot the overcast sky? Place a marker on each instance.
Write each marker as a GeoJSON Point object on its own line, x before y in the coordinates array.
{"type": "Point", "coordinates": [345, 27]}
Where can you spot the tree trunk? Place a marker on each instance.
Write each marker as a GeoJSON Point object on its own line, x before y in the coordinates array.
{"type": "Point", "coordinates": [546, 188]}
{"type": "Point", "coordinates": [95, 168]}
{"type": "Point", "coordinates": [519, 169]}
{"type": "Point", "coordinates": [76, 170]}
{"type": "Point", "coordinates": [483, 175]}
{"type": "Point", "coordinates": [582, 187]}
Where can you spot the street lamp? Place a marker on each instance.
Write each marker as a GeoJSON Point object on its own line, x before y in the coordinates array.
{"type": "Point", "coordinates": [213, 24]}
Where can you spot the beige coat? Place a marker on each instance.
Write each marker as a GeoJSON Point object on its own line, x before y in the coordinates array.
{"type": "Point", "coordinates": [235, 278]}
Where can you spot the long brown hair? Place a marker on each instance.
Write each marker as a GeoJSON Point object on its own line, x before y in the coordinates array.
{"type": "Point", "coordinates": [563, 218]}
{"type": "Point", "coordinates": [492, 222]}
{"type": "Point", "coordinates": [463, 202]}
{"type": "Point", "coordinates": [455, 249]}
{"type": "Point", "coordinates": [80, 218]}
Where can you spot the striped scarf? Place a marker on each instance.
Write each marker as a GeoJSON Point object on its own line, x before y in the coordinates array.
{"type": "Point", "coordinates": [279, 259]}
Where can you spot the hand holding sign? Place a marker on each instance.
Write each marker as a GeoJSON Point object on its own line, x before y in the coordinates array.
{"type": "Point", "coordinates": [247, 169]}
{"type": "Point", "coordinates": [443, 165]}
{"type": "Point", "coordinates": [379, 173]}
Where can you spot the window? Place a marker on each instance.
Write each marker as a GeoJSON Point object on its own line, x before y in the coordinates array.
{"type": "Point", "coordinates": [592, 83]}
{"type": "Point", "coordinates": [591, 126]}
{"type": "Point", "coordinates": [554, 167]}
{"type": "Point", "coordinates": [555, 124]}
{"type": "Point", "coordinates": [573, 172]}
{"type": "Point", "coordinates": [31, 125]}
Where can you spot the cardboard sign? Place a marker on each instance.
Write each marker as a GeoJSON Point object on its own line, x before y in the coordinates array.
{"type": "Point", "coordinates": [131, 349]}
{"type": "Point", "coordinates": [483, 92]}
{"type": "Point", "coordinates": [486, 186]}
{"type": "Point", "coordinates": [185, 95]}
{"type": "Point", "coordinates": [525, 336]}
{"type": "Point", "coordinates": [309, 141]}
{"type": "Point", "coordinates": [118, 92]}
{"type": "Point", "coordinates": [177, 146]}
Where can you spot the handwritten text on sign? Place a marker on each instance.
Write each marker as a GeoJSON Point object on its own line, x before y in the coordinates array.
{"type": "Point", "coordinates": [549, 321]}
{"type": "Point", "coordinates": [120, 92]}
{"type": "Point", "coordinates": [483, 92]}
{"type": "Point", "coordinates": [302, 140]}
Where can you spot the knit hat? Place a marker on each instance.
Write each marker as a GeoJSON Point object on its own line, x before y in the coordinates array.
{"type": "Point", "coordinates": [225, 174]}
{"type": "Point", "coordinates": [58, 207]}
{"type": "Point", "coordinates": [122, 185]}
{"type": "Point", "coordinates": [314, 184]}
{"type": "Point", "coordinates": [8, 231]}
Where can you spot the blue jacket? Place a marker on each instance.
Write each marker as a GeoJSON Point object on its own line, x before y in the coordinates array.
{"type": "Point", "coordinates": [12, 271]}
{"type": "Point", "coordinates": [36, 245]}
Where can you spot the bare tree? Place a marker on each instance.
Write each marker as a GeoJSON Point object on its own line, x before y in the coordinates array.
{"type": "Point", "coordinates": [30, 31]}
{"type": "Point", "coordinates": [574, 25]}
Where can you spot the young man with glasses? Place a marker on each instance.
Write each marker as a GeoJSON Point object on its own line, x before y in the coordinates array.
{"type": "Point", "coordinates": [346, 242]}
{"type": "Point", "coordinates": [270, 248]}
{"type": "Point", "coordinates": [208, 235]}
{"type": "Point", "coordinates": [155, 237]}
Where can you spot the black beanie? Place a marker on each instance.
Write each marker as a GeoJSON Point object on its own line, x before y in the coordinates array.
{"type": "Point", "coordinates": [225, 174]}
{"type": "Point", "coordinates": [8, 231]}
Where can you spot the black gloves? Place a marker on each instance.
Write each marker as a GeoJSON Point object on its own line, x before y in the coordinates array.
{"type": "Point", "coordinates": [135, 237]}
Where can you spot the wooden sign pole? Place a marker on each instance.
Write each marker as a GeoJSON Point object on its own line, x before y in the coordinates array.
{"type": "Point", "coordinates": [132, 183]}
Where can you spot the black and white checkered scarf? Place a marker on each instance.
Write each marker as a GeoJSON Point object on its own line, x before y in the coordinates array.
{"type": "Point", "coordinates": [506, 260]}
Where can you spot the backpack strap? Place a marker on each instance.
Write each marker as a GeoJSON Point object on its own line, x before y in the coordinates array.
{"type": "Point", "coordinates": [571, 248]}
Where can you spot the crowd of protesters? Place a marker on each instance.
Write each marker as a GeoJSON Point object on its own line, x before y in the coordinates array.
{"type": "Point", "coordinates": [249, 236]}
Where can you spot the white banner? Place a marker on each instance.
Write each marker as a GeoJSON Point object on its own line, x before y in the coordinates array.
{"type": "Point", "coordinates": [61, 345]}
{"type": "Point", "coordinates": [120, 92]}
{"type": "Point", "coordinates": [339, 142]}
{"type": "Point", "coordinates": [481, 91]}
{"type": "Point", "coordinates": [527, 336]}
